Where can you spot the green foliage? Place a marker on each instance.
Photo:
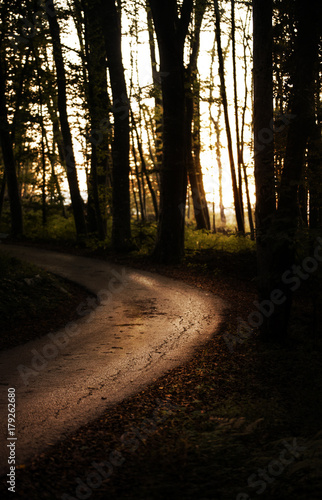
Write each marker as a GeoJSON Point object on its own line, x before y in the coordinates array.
{"type": "Point", "coordinates": [196, 241]}
{"type": "Point", "coordinates": [144, 236]}
{"type": "Point", "coordinates": [58, 228]}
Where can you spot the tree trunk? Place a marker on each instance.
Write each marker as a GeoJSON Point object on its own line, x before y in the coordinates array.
{"type": "Point", "coordinates": [121, 230]}
{"type": "Point", "coordinates": [237, 201]}
{"type": "Point", "coordinates": [196, 156]}
{"type": "Point", "coordinates": [264, 151]}
{"type": "Point", "coordinates": [98, 104]}
{"type": "Point", "coordinates": [238, 145]}
{"type": "Point", "coordinates": [157, 94]}
{"type": "Point", "coordinates": [77, 202]}
{"type": "Point", "coordinates": [2, 191]}
{"type": "Point", "coordinates": [137, 175]}
{"type": "Point", "coordinates": [144, 169]}
{"type": "Point", "coordinates": [300, 128]}
{"type": "Point", "coordinates": [315, 177]}
{"type": "Point", "coordinates": [276, 229]}
{"type": "Point", "coordinates": [9, 160]}
{"type": "Point", "coordinates": [171, 32]}
{"type": "Point", "coordinates": [192, 137]}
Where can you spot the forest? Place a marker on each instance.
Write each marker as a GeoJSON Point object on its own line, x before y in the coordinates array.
{"type": "Point", "coordinates": [183, 137]}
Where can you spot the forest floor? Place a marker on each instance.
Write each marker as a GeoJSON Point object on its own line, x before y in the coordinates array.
{"type": "Point", "coordinates": [235, 422]}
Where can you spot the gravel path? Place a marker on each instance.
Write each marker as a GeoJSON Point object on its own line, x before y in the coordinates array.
{"type": "Point", "coordinates": [140, 326]}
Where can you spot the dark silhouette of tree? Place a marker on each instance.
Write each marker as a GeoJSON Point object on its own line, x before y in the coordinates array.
{"type": "Point", "coordinates": [277, 227]}
{"type": "Point", "coordinates": [77, 202]}
{"type": "Point", "coordinates": [111, 25]}
{"type": "Point", "coordinates": [192, 138]}
{"type": "Point", "coordinates": [10, 173]}
{"type": "Point", "coordinates": [301, 128]}
{"type": "Point", "coordinates": [171, 30]}
{"type": "Point", "coordinates": [237, 200]}
{"type": "Point", "coordinates": [264, 152]}
{"type": "Point", "coordinates": [95, 84]}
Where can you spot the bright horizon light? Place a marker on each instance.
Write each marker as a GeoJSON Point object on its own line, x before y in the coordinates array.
{"type": "Point", "coordinates": [207, 155]}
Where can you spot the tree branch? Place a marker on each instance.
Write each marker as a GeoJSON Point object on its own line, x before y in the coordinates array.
{"type": "Point", "coordinates": [184, 21]}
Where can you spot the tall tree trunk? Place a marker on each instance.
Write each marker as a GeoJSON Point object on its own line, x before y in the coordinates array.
{"type": "Point", "coordinates": [171, 32]}
{"type": "Point", "coordinates": [237, 201]}
{"type": "Point", "coordinates": [135, 200]}
{"type": "Point", "coordinates": [217, 142]}
{"type": "Point", "coordinates": [43, 167]}
{"type": "Point", "coordinates": [98, 104]}
{"type": "Point", "coordinates": [276, 229]}
{"type": "Point", "coordinates": [121, 230]}
{"type": "Point", "coordinates": [77, 202]}
{"type": "Point", "coordinates": [51, 157]}
{"type": "Point", "coordinates": [137, 175]}
{"type": "Point", "coordinates": [9, 159]}
{"type": "Point", "coordinates": [301, 127]}
{"type": "Point", "coordinates": [157, 93]}
{"type": "Point", "coordinates": [2, 191]}
{"type": "Point", "coordinates": [144, 169]}
{"type": "Point", "coordinates": [150, 131]}
{"type": "Point", "coordinates": [249, 206]}
{"type": "Point", "coordinates": [315, 177]}
{"type": "Point", "coordinates": [264, 152]}
{"type": "Point", "coordinates": [196, 156]}
{"type": "Point", "coordinates": [192, 137]}
{"type": "Point", "coordinates": [238, 145]}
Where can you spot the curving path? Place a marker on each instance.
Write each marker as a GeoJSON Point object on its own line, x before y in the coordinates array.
{"type": "Point", "coordinates": [141, 325]}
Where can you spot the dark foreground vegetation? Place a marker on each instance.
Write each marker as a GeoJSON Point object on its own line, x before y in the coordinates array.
{"type": "Point", "coordinates": [239, 420]}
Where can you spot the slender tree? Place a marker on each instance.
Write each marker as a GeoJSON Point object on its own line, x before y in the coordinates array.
{"type": "Point", "coordinates": [68, 152]}
{"type": "Point", "coordinates": [111, 24]}
{"type": "Point", "coordinates": [98, 106]}
{"type": "Point", "coordinates": [237, 200]}
{"type": "Point", "coordinates": [301, 128]}
{"type": "Point", "coordinates": [236, 110]}
{"type": "Point", "coordinates": [192, 121]}
{"type": "Point", "coordinates": [171, 30]}
{"type": "Point", "coordinates": [7, 148]}
{"type": "Point", "coordinates": [264, 151]}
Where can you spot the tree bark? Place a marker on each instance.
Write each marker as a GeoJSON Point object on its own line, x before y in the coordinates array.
{"type": "Point", "coordinates": [264, 151]}
{"type": "Point", "coordinates": [300, 129]}
{"type": "Point", "coordinates": [276, 229]}
{"type": "Point", "coordinates": [98, 104]}
{"type": "Point", "coordinates": [9, 159]}
{"type": "Point", "coordinates": [238, 145]}
{"type": "Point", "coordinates": [144, 169]}
{"type": "Point", "coordinates": [77, 202]}
{"type": "Point", "coordinates": [171, 32]}
{"type": "Point", "coordinates": [237, 201]}
{"type": "Point", "coordinates": [157, 94]}
{"type": "Point", "coordinates": [2, 191]}
{"type": "Point", "coordinates": [192, 126]}
{"type": "Point", "coordinates": [121, 229]}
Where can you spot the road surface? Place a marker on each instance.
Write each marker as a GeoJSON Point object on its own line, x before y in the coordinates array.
{"type": "Point", "coordinates": [140, 326]}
